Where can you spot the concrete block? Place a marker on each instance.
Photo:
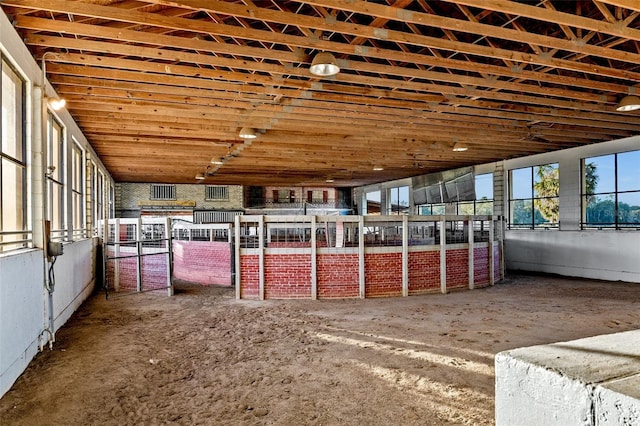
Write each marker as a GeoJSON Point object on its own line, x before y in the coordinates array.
{"type": "Point", "coordinates": [593, 381]}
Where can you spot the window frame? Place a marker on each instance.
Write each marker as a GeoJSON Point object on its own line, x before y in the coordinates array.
{"type": "Point", "coordinates": [156, 189]}
{"type": "Point", "coordinates": [56, 178]}
{"type": "Point", "coordinates": [532, 225]}
{"type": "Point", "coordinates": [210, 190]}
{"type": "Point", "coordinates": [16, 239]}
{"type": "Point", "coordinates": [78, 190]}
{"type": "Point", "coordinates": [616, 225]}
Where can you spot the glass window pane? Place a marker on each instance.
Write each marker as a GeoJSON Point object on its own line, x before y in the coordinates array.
{"type": "Point", "coordinates": [12, 197]}
{"type": "Point", "coordinates": [466, 208]}
{"type": "Point", "coordinates": [629, 208]}
{"type": "Point", "coordinates": [521, 212]}
{"type": "Point", "coordinates": [601, 209]}
{"type": "Point", "coordinates": [484, 186]}
{"type": "Point", "coordinates": [546, 182]}
{"type": "Point", "coordinates": [484, 207]}
{"type": "Point", "coordinates": [438, 209]}
{"type": "Point", "coordinates": [603, 172]}
{"type": "Point", "coordinates": [373, 202]}
{"type": "Point", "coordinates": [521, 183]}
{"type": "Point", "coordinates": [629, 171]}
{"type": "Point", "coordinates": [11, 120]}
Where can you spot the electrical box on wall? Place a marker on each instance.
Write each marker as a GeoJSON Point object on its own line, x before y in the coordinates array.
{"type": "Point", "coordinates": [54, 248]}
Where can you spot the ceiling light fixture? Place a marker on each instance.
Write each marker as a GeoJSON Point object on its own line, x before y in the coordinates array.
{"type": "Point", "coordinates": [628, 103]}
{"type": "Point", "coordinates": [460, 147]}
{"type": "Point", "coordinates": [378, 168]}
{"type": "Point", "coordinates": [200, 176]}
{"type": "Point", "coordinates": [216, 160]}
{"type": "Point", "coordinates": [248, 133]}
{"type": "Point", "coordinates": [330, 180]}
{"type": "Point", "coordinates": [324, 64]}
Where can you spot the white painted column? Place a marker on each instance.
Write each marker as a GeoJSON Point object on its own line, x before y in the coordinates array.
{"type": "Point", "coordinates": [361, 292]}
{"type": "Point", "coordinates": [237, 255]}
{"type": "Point", "coordinates": [138, 237]}
{"type": "Point", "coordinates": [314, 257]}
{"type": "Point", "coordinates": [261, 257]}
{"type": "Point", "coordinates": [492, 272]}
{"type": "Point", "coordinates": [169, 240]}
{"type": "Point", "coordinates": [471, 252]}
{"type": "Point", "coordinates": [443, 256]}
{"type": "Point", "coordinates": [116, 251]}
{"type": "Point", "coordinates": [405, 255]}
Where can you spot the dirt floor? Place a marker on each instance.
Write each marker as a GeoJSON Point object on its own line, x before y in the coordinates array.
{"type": "Point", "coordinates": [203, 358]}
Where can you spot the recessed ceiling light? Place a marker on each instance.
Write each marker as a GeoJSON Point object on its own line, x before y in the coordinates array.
{"type": "Point", "coordinates": [378, 168]}
{"type": "Point", "coordinates": [248, 133]}
{"type": "Point", "coordinates": [200, 176]}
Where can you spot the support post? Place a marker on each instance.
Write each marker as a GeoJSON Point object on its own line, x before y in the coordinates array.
{"type": "Point", "coordinates": [314, 257]}
{"type": "Point", "coordinates": [261, 257]}
{"type": "Point", "coordinates": [169, 240]}
{"type": "Point", "coordinates": [138, 237]}
{"type": "Point", "coordinates": [237, 257]}
{"type": "Point", "coordinates": [116, 252]}
{"type": "Point", "coordinates": [443, 256]}
{"type": "Point", "coordinates": [470, 228]}
{"type": "Point", "coordinates": [492, 272]}
{"type": "Point", "coordinates": [361, 280]}
{"type": "Point", "coordinates": [405, 256]}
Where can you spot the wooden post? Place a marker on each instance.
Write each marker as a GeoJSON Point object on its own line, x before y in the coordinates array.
{"type": "Point", "coordinates": [138, 238]}
{"type": "Point", "coordinates": [470, 228]}
{"type": "Point", "coordinates": [492, 271]}
{"type": "Point", "coordinates": [314, 257]}
{"type": "Point", "coordinates": [361, 291]}
{"type": "Point", "coordinates": [443, 256]}
{"type": "Point", "coordinates": [237, 256]}
{"type": "Point", "coordinates": [405, 256]}
{"type": "Point", "coordinates": [261, 256]}
{"type": "Point", "coordinates": [169, 242]}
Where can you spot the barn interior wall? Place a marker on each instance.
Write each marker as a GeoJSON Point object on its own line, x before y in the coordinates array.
{"type": "Point", "coordinates": [24, 304]}
{"type": "Point", "coordinates": [590, 253]}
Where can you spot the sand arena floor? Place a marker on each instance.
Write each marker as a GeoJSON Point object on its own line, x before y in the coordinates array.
{"type": "Point", "coordinates": [203, 358]}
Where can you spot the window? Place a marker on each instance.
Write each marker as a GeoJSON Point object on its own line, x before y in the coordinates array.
{"type": "Point", "coordinates": [13, 166]}
{"type": "Point", "coordinates": [99, 198]}
{"type": "Point", "coordinates": [77, 191]}
{"type": "Point", "coordinates": [55, 178]}
{"type": "Point", "coordinates": [611, 191]}
{"type": "Point", "coordinates": [217, 193]}
{"type": "Point", "coordinates": [372, 203]}
{"type": "Point", "coordinates": [317, 196]}
{"type": "Point", "coordinates": [534, 197]}
{"type": "Point", "coordinates": [399, 200]}
{"type": "Point", "coordinates": [112, 202]}
{"type": "Point", "coordinates": [482, 205]}
{"type": "Point", "coordinates": [284, 196]}
{"type": "Point", "coordinates": [91, 195]}
{"type": "Point", "coordinates": [163, 192]}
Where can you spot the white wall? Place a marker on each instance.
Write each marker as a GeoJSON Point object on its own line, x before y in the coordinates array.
{"type": "Point", "coordinates": [22, 301]}
{"type": "Point", "coordinates": [605, 254]}
{"type": "Point", "coordinates": [24, 312]}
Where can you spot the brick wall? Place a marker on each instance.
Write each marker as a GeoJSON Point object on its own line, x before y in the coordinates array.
{"type": "Point", "coordinates": [481, 266]}
{"type": "Point", "coordinates": [250, 276]}
{"type": "Point", "coordinates": [383, 274]}
{"type": "Point", "coordinates": [424, 272]}
{"type": "Point", "coordinates": [457, 268]}
{"type": "Point", "coordinates": [129, 195]}
{"type": "Point", "coordinates": [287, 276]}
{"type": "Point", "coordinates": [337, 275]}
{"type": "Point", "coordinates": [203, 262]}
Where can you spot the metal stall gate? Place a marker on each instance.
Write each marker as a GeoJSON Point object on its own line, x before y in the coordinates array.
{"type": "Point", "coordinates": [137, 255]}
